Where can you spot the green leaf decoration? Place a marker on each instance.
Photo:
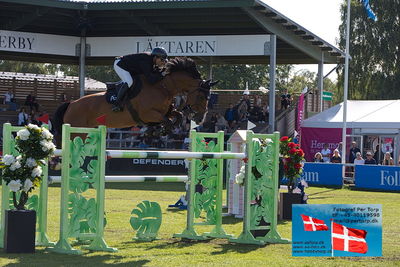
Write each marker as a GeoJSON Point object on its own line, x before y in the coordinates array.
{"type": "Point", "coordinates": [147, 220]}
{"type": "Point", "coordinates": [33, 203]}
{"type": "Point", "coordinates": [262, 191]}
{"type": "Point", "coordinates": [82, 213]}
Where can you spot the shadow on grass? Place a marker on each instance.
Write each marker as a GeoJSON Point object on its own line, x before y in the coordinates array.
{"type": "Point", "coordinates": [237, 248]}
{"type": "Point", "coordinates": [222, 243]}
{"type": "Point", "coordinates": [173, 242]}
{"type": "Point", "coordinates": [41, 258]}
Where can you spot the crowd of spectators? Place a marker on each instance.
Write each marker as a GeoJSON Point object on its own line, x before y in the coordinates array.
{"type": "Point", "coordinates": [355, 156]}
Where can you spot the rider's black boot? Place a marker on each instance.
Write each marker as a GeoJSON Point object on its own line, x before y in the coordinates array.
{"type": "Point", "coordinates": [118, 105]}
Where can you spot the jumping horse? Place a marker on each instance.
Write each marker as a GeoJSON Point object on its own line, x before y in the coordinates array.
{"type": "Point", "coordinates": [152, 104]}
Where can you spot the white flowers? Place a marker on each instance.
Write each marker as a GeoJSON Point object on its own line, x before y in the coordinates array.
{"type": "Point", "coordinates": [23, 134]}
{"type": "Point", "coordinates": [15, 165]}
{"type": "Point", "coordinates": [33, 126]}
{"type": "Point", "coordinates": [8, 159]}
{"type": "Point", "coordinates": [15, 185]}
{"type": "Point", "coordinates": [46, 134]}
{"type": "Point", "coordinates": [27, 185]}
{"type": "Point", "coordinates": [37, 171]}
{"type": "Point", "coordinates": [30, 162]}
{"type": "Point", "coordinates": [47, 145]}
{"type": "Point", "coordinates": [239, 178]}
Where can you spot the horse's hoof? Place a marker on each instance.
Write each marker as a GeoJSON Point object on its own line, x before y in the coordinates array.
{"type": "Point", "coordinates": [116, 109]}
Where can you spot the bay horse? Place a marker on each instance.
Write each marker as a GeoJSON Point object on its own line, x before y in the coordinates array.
{"type": "Point", "coordinates": [152, 104]}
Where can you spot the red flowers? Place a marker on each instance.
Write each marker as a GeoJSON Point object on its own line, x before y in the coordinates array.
{"type": "Point", "coordinates": [293, 145]}
{"type": "Point", "coordinates": [284, 139]}
{"type": "Point", "coordinates": [298, 166]}
{"type": "Point", "coordinates": [292, 156]}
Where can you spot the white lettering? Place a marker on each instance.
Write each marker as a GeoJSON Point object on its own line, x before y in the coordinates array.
{"type": "Point", "coordinates": [390, 180]}
{"type": "Point", "coordinates": [169, 162]}
{"type": "Point", "coordinates": [310, 176]}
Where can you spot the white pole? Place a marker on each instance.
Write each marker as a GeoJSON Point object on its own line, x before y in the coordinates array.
{"type": "Point", "coordinates": [346, 80]}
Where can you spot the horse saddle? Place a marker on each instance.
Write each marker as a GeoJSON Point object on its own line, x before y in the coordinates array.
{"type": "Point", "coordinates": [113, 88]}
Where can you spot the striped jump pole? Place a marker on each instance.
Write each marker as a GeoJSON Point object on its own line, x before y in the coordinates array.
{"type": "Point", "coordinates": [141, 154]}
{"type": "Point", "coordinates": [134, 179]}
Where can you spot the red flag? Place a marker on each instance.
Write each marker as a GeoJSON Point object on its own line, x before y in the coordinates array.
{"type": "Point", "coordinates": [101, 120]}
{"type": "Point", "coordinates": [44, 118]}
{"type": "Point", "coordinates": [312, 224]}
{"type": "Point", "coordinates": [348, 239]}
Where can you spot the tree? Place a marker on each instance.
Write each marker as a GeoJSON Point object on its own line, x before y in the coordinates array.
{"type": "Point", "coordinates": [374, 69]}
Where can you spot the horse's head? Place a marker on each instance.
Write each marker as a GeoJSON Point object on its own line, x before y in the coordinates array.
{"type": "Point", "coordinates": [190, 83]}
{"type": "Point", "coordinates": [197, 101]}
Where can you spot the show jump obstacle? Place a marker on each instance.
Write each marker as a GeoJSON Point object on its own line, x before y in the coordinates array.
{"type": "Point", "coordinates": [83, 167]}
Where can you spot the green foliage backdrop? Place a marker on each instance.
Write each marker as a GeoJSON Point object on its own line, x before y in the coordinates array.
{"type": "Point", "coordinates": [374, 70]}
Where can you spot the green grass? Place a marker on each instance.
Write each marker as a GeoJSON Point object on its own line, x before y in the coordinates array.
{"type": "Point", "coordinates": [167, 251]}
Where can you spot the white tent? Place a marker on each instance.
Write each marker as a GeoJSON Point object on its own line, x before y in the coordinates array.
{"type": "Point", "coordinates": [378, 116]}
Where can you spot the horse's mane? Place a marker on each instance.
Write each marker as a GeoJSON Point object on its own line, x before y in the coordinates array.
{"type": "Point", "coordinates": [183, 64]}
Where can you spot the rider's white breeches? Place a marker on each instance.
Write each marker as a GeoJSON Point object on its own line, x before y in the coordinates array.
{"type": "Point", "coordinates": [123, 74]}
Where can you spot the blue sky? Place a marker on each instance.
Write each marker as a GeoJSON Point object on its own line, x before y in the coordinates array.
{"type": "Point", "coordinates": [321, 17]}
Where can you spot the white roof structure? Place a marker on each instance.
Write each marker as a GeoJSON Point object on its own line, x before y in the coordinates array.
{"type": "Point", "coordinates": [361, 114]}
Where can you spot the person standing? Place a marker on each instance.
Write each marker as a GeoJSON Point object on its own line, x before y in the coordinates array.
{"type": "Point", "coordinates": [353, 151]}
{"type": "Point", "coordinates": [230, 114]}
{"type": "Point", "coordinates": [326, 153]}
{"type": "Point", "coordinates": [22, 117]}
{"type": "Point", "coordinates": [8, 97]}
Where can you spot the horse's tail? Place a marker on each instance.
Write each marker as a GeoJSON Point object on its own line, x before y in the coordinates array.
{"type": "Point", "coordinates": [58, 118]}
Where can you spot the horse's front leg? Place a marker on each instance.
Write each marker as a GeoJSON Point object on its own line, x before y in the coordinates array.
{"type": "Point", "coordinates": [176, 116]}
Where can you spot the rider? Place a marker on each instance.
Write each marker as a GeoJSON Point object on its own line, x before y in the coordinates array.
{"type": "Point", "coordinates": [149, 64]}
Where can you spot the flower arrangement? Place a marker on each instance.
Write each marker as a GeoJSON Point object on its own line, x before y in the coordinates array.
{"type": "Point", "coordinates": [239, 178]}
{"type": "Point", "coordinates": [24, 172]}
{"type": "Point", "coordinates": [292, 156]}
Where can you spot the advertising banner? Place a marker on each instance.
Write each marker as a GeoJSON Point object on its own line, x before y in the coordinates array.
{"type": "Point", "coordinates": [329, 174]}
{"type": "Point", "coordinates": [146, 166]}
{"type": "Point", "coordinates": [313, 140]}
{"type": "Point", "coordinates": [378, 177]}
{"type": "Point", "coordinates": [337, 230]}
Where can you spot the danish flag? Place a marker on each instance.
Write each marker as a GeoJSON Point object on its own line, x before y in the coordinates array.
{"type": "Point", "coordinates": [348, 239]}
{"type": "Point", "coordinates": [312, 224]}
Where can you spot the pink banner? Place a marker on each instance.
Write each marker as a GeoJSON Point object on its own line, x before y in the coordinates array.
{"type": "Point", "coordinates": [313, 140]}
{"type": "Point", "coordinates": [300, 112]}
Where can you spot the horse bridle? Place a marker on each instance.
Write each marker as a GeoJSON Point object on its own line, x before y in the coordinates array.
{"type": "Point", "coordinates": [187, 109]}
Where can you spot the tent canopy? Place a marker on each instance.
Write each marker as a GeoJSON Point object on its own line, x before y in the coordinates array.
{"type": "Point", "coordinates": [362, 114]}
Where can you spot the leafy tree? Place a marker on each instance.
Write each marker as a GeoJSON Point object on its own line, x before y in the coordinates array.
{"type": "Point", "coordinates": [374, 69]}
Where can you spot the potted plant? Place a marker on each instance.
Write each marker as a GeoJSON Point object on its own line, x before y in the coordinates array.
{"type": "Point", "coordinates": [22, 174]}
{"type": "Point", "coordinates": [292, 158]}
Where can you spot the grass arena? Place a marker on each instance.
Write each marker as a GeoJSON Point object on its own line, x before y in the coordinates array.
{"type": "Point", "coordinates": [185, 238]}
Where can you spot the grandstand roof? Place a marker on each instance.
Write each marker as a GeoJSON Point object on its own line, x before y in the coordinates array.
{"type": "Point", "coordinates": [109, 18]}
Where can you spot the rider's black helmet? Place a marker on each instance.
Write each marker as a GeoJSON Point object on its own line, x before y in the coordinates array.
{"type": "Point", "coordinates": [159, 52]}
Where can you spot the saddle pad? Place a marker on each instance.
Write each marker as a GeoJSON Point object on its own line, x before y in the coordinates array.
{"type": "Point", "coordinates": [113, 88]}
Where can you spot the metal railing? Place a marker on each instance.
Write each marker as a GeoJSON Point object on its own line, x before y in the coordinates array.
{"type": "Point", "coordinates": [118, 139]}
